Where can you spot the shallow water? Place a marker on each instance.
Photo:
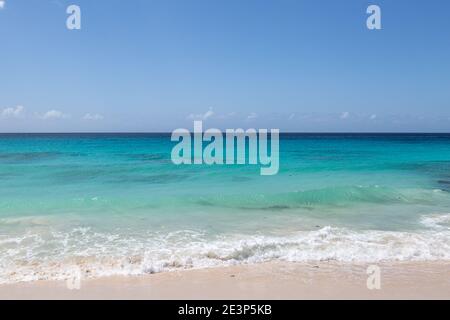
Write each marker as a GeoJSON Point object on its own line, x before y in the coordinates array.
{"type": "Point", "coordinates": [115, 204]}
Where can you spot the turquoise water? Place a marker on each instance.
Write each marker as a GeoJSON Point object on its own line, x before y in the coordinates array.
{"type": "Point", "coordinates": [110, 204]}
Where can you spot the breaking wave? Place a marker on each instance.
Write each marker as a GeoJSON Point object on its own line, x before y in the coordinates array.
{"type": "Point", "coordinates": [55, 256]}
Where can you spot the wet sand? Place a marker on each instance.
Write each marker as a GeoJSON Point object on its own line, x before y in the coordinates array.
{"type": "Point", "coordinates": [325, 280]}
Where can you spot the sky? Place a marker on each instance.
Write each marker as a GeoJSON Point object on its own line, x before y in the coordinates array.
{"type": "Point", "coordinates": [157, 65]}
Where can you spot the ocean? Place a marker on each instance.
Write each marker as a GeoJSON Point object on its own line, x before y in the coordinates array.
{"type": "Point", "coordinates": [115, 204]}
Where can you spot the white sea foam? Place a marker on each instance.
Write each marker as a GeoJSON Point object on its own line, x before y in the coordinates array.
{"type": "Point", "coordinates": [437, 221]}
{"type": "Point", "coordinates": [35, 257]}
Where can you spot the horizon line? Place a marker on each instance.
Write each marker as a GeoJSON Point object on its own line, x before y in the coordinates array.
{"type": "Point", "coordinates": [281, 132]}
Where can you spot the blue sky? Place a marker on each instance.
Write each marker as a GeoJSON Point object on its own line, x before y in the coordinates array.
{"type": "Point", "coordinates": [146, 65]}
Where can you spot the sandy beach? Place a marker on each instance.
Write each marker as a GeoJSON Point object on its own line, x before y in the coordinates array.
{"type": "Point", "coordinates": [428, 280]}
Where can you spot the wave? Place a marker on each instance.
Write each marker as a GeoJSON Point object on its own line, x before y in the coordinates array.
{"type": "Point", "coordinates": [329, 196]}
{"type": "Point", "coordinates": [437, 221]}
{"type": "Point", "coordinates": [54, 256]}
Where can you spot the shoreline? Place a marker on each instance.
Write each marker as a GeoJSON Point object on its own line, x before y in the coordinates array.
{"type": "Point", "coordinates": [273, 280]}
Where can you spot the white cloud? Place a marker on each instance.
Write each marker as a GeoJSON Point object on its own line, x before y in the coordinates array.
{"type": "Point", "coordinates": [14, 112]}
{"type": "Point", "coordinates": [226, 116]}
{"type": "Point", "coordinates": [345, 115]}
{"type": "Point", "coordinates": [2, 4]}
{"type": "Point", "coordinates": [204, 116]}
{"type": "Point", "coordinates": [373, 117]}
{"type": "Point", "coordinates": [54, 114]}
{"type": "Point", "coordinates": [208, 114]}
{"type": "Point", "coordinates": [252, 115]}
{"type": "Point", "coordinates": [95, 116]}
